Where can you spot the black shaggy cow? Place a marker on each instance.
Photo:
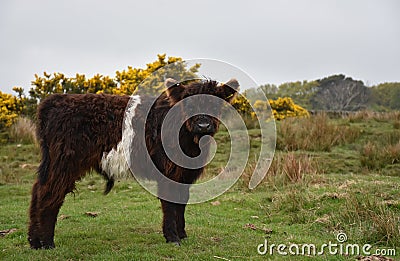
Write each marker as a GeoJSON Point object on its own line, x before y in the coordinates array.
{"type": "Point", "coordinates": [79, 133]}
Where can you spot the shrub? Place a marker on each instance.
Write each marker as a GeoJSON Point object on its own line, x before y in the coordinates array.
{"type": "Point", "coordinates": [10, 107]}
{"type": "Point", "coordinates": [242, 105]}
{"type": "Point", "coordinates": [281, 108]}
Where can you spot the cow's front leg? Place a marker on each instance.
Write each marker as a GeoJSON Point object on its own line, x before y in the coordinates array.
{"type": "Point", "coordinates": [180, 220]}
{"type": "Point", "coordinates": [169, 222]}
{"type": "Point", "coordinates": [180, 211]}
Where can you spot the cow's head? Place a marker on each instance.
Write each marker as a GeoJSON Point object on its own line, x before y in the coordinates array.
{"type": "Point", "coordinates": [207, 94]}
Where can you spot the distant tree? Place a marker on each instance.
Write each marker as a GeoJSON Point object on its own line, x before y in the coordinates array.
{"type": "Point", "coordinates": [270, 90]}
{"type": "Point", "coordinates": [300, 92]}
{"type": "Point", "coordinates": [385, 96]}
{"type": "Point", "coordinates": [254, 94]}
{"type": "Point", "coordinates": [336, 92]}
{"type": "Point", "coordinates": [340, 93]}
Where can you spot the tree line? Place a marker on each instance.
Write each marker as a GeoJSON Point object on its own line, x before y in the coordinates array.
{"type": "Point", "coordinates": [335, 93]}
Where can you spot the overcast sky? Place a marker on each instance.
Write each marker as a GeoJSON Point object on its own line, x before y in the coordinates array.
{"type": "Point", "coordinates": [273, 41]}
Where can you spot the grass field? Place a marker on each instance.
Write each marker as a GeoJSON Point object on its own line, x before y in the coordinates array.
{"type": "Point", "coordinates": [311, 195]}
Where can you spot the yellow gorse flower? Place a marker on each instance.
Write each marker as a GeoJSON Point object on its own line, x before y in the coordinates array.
{"type": "Point", "coordinates": [10, 108]}
{"type": "Point", "coordinates": [282, 108]}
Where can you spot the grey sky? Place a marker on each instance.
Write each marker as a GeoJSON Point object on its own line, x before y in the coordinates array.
{"type": "Point", "coordinates": [273, 41]}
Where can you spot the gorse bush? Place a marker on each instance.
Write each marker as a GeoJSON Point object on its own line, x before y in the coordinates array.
{"type": "Point", "coordinates": [316, 133]}
{"type": "Point", "coordinates": [10, 107]}
{"type": "Point", "coordinates": [282, 108]}
{"type": "Point", "coordinates": [243, 106]}
{"type": "Point", "coordinates": [125, 82]}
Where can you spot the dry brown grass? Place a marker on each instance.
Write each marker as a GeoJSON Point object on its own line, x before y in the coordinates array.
{"type": "Point", "coordinates": [380, 152]}
{"type": "Point", "coordinates": [23, 131]}
{"type": "Point", "coordinates": [287, 168]}
{"type": "Point", "coordinates": [316, 133]}
{"type": "Point", "coordinates": [373, 115]}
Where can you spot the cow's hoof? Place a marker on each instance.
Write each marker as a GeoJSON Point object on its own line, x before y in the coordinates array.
{"type": "Point", "coordinates": [47, 245]}
{"type": "Point", "coordinates": [182, 235]}
{"type": "Point", "coordinates": [35, 243]}
{"type": "Point", "coordinates": [176, 243]}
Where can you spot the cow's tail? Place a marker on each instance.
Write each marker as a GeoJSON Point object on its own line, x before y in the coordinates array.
{"type": "Point", "coordinates": [43, 170]}
{"type": "Point", "coordinates": [42, 113]}
{"type": "Point", "coordinates": [110, 182]}
{"type": "Point", "coordinates": [109, 186]}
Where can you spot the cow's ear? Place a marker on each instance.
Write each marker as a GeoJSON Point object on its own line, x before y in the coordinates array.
{"type": "Point", "coordinates": [174, 90]}
{"type": "Point", "coordinates": [228, 90]}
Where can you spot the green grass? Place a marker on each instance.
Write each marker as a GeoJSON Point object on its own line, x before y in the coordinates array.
{"type": "Point", "coordinates": [343, 197]}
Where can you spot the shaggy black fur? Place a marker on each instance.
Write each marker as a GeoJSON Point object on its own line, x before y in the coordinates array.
{"type": "Point", "coordinates": [75, 130]}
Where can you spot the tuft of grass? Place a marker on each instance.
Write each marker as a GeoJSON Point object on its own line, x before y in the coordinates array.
{"type": "Point", "coordinates": [23, 131]}
{"type": "Point", "coordinates": [295, 167]}
{"type": "Point", "coordinates": [368, 219]}
{"type": "Point", "coordinates": [316, 133]}
{"type": "Point", "coordinates": [287, 168]}
{"type": "Point", "coordinates": [296, 203]}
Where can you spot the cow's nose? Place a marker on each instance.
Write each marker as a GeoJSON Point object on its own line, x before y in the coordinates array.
{"type": "Point", "coordinates": [204, 126]}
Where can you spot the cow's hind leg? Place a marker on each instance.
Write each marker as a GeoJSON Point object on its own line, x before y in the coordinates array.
{"type": "Point", "coordinates": [33, 231]}
{"type": "Point", "coordinates": [48, 219]}
{"type": "Point", "coordinates": [45, 205]}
